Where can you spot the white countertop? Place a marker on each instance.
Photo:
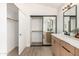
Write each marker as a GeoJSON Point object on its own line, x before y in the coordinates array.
{"type": "Point", "coordinates": [71, 40]}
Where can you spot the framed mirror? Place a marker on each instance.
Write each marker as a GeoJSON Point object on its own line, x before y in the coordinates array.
{"type": "Point", "coordinates": [70, 21]}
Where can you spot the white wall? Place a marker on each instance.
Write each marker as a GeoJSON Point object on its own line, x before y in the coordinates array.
{"type": "Point", "coordinates": [60, 21]}
{"type": "Point", "coordinates": [78, 16]}
{"type": "Point", "coordinates": [3, 29]}
{"type": "Point", "coordinates": [12, 11]}
{"type": "Point", "coordinates": [12, 27]}
{"type": "Point", "coordinates": [12, 40]}
{"type": "Point", "coordinates": [34, 9]}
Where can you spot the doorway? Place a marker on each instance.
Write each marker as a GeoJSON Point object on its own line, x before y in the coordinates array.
{"type": "Point", "coordinates": [12, 29]}
{"type": "Point", "coordinates": [41, 29]}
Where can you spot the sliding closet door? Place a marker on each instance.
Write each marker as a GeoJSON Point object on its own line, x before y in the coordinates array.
{"type": "Point", "coordinates": [36, 23]}
{"type": "Point", "coordinates": [49, 27]}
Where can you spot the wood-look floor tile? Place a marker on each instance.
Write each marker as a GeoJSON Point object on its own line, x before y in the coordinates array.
{"type": "Point", "coordinates": [14, 52]}
{"type": "Point", "coordinates": [33, 51]}
{"type": "Point", "coordinates": [37, 51]}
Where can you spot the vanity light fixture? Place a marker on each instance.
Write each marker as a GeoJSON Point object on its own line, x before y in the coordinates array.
{"type": "Point", "coordinates": [68, 6]}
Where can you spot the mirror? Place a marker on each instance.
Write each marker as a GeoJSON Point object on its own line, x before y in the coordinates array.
{"type": "Point", "coordinates": [70, 21]}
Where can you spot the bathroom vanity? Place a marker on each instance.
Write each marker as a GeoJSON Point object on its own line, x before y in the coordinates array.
{"type": "Point", "coordinates": [67, 44]}
{"type": "Point", "coordinates": [63, 45]}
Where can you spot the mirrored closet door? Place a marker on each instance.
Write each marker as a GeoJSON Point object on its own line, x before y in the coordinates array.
{"type": "Point", "coordinates": [49, 27]}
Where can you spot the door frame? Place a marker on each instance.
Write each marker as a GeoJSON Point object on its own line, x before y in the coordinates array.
{"type": "Point", "coordinates": [42, 25]}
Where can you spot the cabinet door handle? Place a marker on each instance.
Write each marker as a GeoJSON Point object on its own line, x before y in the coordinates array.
{"type": "Point", "coordinates": [66, 49]}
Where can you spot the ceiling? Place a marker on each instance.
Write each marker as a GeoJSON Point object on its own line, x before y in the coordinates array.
{"type": "Point", "coordinates": [54, 5]}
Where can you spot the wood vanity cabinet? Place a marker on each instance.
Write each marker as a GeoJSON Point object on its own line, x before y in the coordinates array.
{"type": "Point", "coordinates": [55, 47]}
{"type": "Point", "coordinates": [61, 48]}
{"type": "Point", "coordinates": [47, 37]}
{"type": "Point", "coordinates": [76, 52]}
{"type": "Point", "coordinates": [67, 49]}
{"type": "Point", "coordinates": [64, 52]}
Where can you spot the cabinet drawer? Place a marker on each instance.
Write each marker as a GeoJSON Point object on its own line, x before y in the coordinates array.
{"type": "Point", "coordinates": [56, 39]}
{"type": "Point", "coordinates": [69, 47]}
{"type": "Point", "coordinates": [64, 52]}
